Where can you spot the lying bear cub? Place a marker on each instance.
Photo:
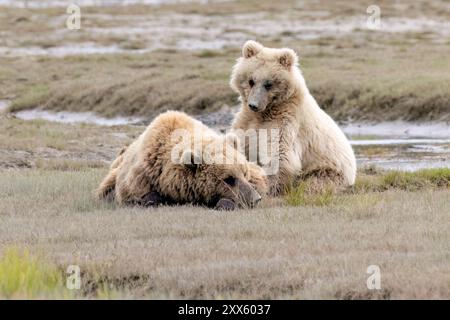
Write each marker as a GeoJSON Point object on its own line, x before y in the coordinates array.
{"type": "Point", "coordinates": [179, 160]}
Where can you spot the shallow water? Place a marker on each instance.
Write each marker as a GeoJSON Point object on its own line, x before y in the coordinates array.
{"type": "Point", "coordinates": [62, 51]}
{"type": "Point", "coordinates": [192, 31]}
{"type": "Point", "coordinates": [394, 145]}
{"type": "Point", "coordinates": [410, 157]}
{"type": "Point", "coordinates": [75, 117]}
{"type": "Point", "coordinates": [399, 130]}
{"type": "Point", "coordinates": [387, 142]}
{"type": "Point", "coordinates": [400, 145]}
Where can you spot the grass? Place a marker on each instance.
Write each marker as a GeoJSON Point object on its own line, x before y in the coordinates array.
{"type": "Point", "coordinates": [301, 195]}
{"type": "Point", "coordinates": [208, 53]}
{"type": "Point", "coordinates": [142, 85]}
{"type": "Point", "coordinates": [416, 180]}
{"type": "Point", "coordinates": [307, 245]}
{"type": "Point", "coordinates": [307, 193]}
{"type": "Point", "coordinates": [35, 96]}
{"type": "Point", "coordinates": [362, 76]}
{"type": "Point", "coordinates": [48, 145]}
{"type": "Point", "coordinates": [310, 249]}
{"type": "Point", "coordinates": [145, 85]}
{"type": "Point", "coordinates": [26, 277]}
{"type": "Point", "coordinates": [408, 181]}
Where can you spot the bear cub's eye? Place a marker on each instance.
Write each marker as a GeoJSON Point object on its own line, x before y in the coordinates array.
{"type": "Point", "coordinates": [251, 82]}
{"type": "Point", "coordinates": [231, 181]}
{"type": "Point", "coordinates": [267, 85]}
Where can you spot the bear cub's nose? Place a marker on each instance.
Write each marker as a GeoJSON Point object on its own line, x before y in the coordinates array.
{"type": "Point", "coordinates": [253, 106]}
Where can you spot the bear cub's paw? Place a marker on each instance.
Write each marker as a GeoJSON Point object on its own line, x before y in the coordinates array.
{"type": "Point", "coordinates": [225, 204]}
{"type": "Point", "coordinates": [153, 199]}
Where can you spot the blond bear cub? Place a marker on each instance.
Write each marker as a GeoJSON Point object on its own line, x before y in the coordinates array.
{"type": "Point", "coordinates": [274, 96]}
{"type": "Point", "coordinates": [179, 160]}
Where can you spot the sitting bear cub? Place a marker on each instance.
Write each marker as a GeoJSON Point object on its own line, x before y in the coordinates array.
{"type": "Point", "coordinates": [274, 96]}
{"type": "Point", "coordinates": [179, 160]}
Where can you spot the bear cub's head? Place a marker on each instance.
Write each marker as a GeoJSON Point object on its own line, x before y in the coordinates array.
{"type": "Point", "coordinates": [264, 77]}
{"type": "Point", "coordinates": [218, 176]}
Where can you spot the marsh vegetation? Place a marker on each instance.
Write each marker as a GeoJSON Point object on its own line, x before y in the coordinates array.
{"type": "Point", "coordinates": [137, 61]}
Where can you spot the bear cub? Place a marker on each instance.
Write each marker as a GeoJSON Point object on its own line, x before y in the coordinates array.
{"type": "Point", "coordinates": [179, 160]}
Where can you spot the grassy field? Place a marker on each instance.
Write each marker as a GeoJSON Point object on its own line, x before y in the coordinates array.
{"type": "Point", "coordinates": [359, 86]}
{"type": "Point", "coordinates": [305, 245]}
{"type": "Point", "coordinates": [43, 144]}
{"type": "Point", "coordinates": [350, 73]}
{"type": "Point", "coordinates": [320, 248]}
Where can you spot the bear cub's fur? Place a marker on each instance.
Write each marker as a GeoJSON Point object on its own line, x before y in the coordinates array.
{"type": "Point", "coordinates": [274, 96]}
{"type": "Point", "coordinates": [166, 165]}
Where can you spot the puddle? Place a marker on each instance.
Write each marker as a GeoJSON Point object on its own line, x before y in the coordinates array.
{"type": "Point", "coordinates": [61, 51]}
{"type": "Point", "coordinates": [396, 145]}
{"type": "Point", "coordinates": [398, 129]}
{"type": "Point", "coordinates": [405, 164]}
{"type": "Point", "coordinates": [384, 142]}
{"type": "Point", "coordinates": [401, 146]}
{"type": "Point", "coordinates": [404, 155]}
{"type": "Point", "coordinates": [201, 32]}
{"type": "Point", "coordinates": [75, 117]}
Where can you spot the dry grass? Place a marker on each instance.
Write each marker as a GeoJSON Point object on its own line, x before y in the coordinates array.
{"type": "Point", "coordinates": [146, 85]}
{"type": "Point", "coordinates": [366, 75]}
{"type": "Point", "coordinates": [307, 245]}
{"type": "Point", "coordinates": [308, 251]}
{"type": "Point", "coordinates": [44, 144]}
{"type": "Point", "coordinates": [143, 85]}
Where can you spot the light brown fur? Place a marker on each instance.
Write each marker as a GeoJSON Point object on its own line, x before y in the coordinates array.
{"type": "Point", "coordinates": [147, 166]}
{"type": "Point", "coordinates": [274, 96]}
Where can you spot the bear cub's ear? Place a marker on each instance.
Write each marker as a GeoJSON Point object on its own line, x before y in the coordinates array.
{"type": "Point", "coordinates": [190, 159]}
{"type": "Point", "coordinates": [251, 48]}
{"type": "Point", "coordinates": [288, 58]}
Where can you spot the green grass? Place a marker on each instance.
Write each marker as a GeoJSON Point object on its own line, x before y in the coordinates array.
{"type": "Point", "coordinates": [307, 193]}
{"type": "Point", "coordinates": [33, 97]}
{"type": "Point", "coordinates": [418, 180]}
{"type": "Point", "coordinates": [209, 54]}
{"type": "Point", "coordinates": [399, 180]}
{"type": "Point", "coordinates": [23, 276]}
{"type": "Point", "coordinates": [27, 276]}
{"type": "Point", "coordinates": [300, 196]}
